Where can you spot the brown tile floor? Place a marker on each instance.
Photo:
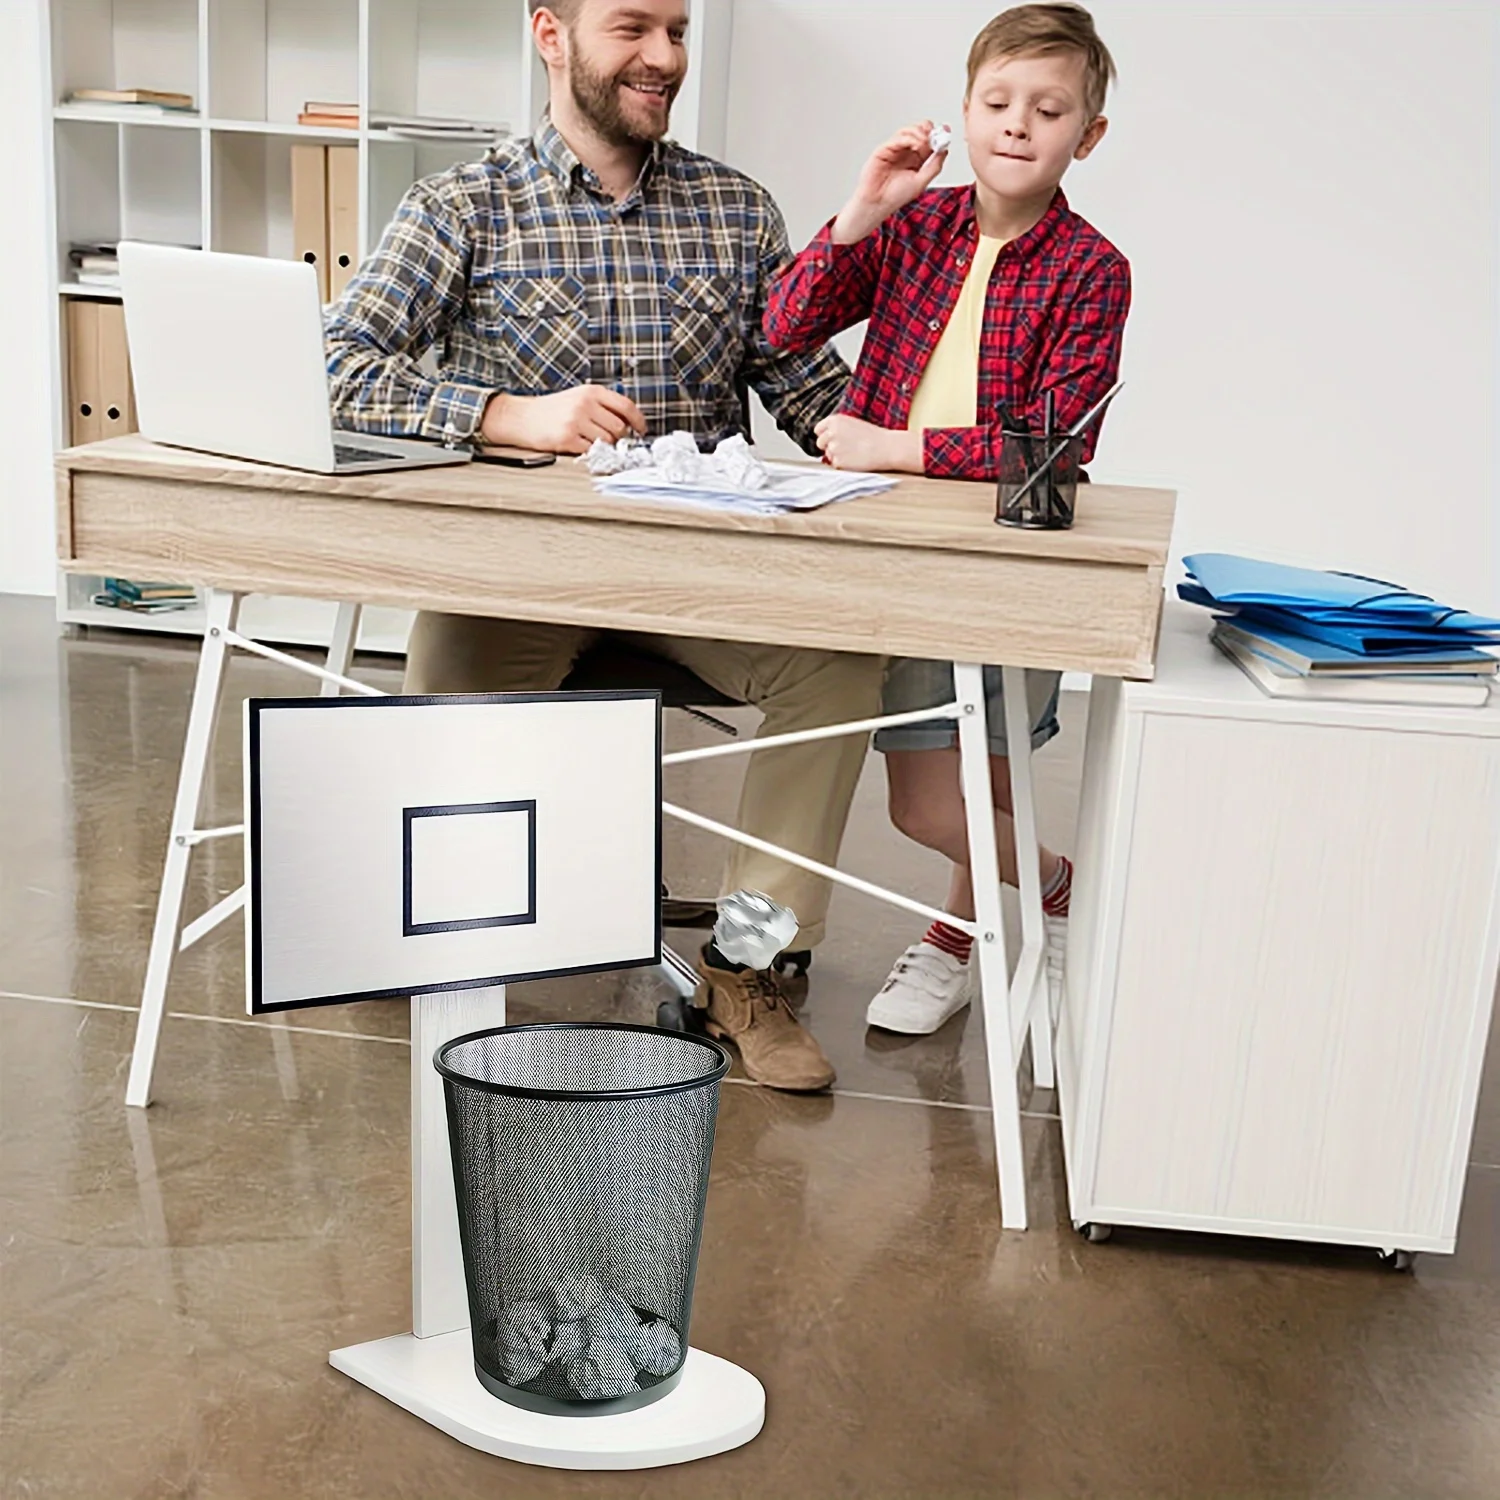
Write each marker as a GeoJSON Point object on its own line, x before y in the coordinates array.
{"type": "Point", "coordinates": [173, 1280]}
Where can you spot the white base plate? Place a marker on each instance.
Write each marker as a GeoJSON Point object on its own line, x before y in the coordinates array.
{"type": "Point", "coordinates": [715, 1407]}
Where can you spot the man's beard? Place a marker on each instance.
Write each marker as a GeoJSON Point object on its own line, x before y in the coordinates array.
{"type": "Point", "coordinates": [597, 99]}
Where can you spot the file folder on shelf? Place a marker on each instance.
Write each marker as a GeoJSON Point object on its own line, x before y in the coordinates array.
{"type": "Point", "coordinates": [343, 217]}
{"type": "Point", "coordinates": [101, 399]}
{"type": "Point", "coordinates": [310, 209]}
{"type": "Point", "coordinates": [116, 392]}
{"type": "Point", "coordinates": [85, 414]}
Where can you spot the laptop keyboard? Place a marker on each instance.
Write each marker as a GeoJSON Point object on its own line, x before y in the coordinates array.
{"type": "Point", "coordinates": [347, 453]}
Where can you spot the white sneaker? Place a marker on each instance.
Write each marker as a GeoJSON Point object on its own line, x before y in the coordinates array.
{"type": "Point", "coordinates": [925, 988]}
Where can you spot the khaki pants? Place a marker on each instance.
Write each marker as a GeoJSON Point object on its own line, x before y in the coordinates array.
{"type": "Point", "coordinates": [797, 796]}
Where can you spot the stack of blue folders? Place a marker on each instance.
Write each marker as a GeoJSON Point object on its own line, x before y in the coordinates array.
{"type": "Point", "coordinates": [1299, 633]}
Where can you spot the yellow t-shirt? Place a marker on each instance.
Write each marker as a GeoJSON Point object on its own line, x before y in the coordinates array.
{"type": "Point", "coordinates": [948, 394]}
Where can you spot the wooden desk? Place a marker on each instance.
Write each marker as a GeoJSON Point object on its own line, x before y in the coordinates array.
{"type": "Point", "coordinates": [921, 570]}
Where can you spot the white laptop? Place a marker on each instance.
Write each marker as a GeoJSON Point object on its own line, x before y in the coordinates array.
{"type": "Point", "coordinates": [227, 356]}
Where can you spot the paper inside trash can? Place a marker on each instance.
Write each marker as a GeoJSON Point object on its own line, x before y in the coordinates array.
{"type": "Point", "coordinates": [599, 1339]}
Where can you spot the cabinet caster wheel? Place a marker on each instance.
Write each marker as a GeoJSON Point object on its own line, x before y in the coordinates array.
{"type": "Point", "coordinates": [1398, 1260]}
{"type": "Point", "coordinates": [678, 1014]}
{"type": "Point", "coordinates": [1096, 1234]}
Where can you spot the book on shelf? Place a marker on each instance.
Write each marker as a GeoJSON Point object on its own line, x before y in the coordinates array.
{"type": "Point", "coordinates": [1313, 658]}
{"type": "Point", "coordinates": [164, 98]}
{"type": "Point", "coordinates": [437, 126]}
{"type": "Point", "coordinates": [95, 265]}
{"type": "Point", "coordinates": [329, 116]}
{"type": "Point", "coordinates": [149, 591]}
{"type": "Point", "coordinates": [1437, 690]}
{"type": "Point", "coordinates": [141, 606]}
{"type": "Point", "coordinates": [78, 251]}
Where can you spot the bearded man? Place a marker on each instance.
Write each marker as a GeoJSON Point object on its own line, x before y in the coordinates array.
{"type": "Point", "coordinates": [590, 281]}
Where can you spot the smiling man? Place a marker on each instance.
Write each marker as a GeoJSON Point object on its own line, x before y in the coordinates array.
{"type": "Point", "coordinates": [590, 280]}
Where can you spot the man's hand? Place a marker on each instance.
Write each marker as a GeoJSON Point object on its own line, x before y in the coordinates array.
{"type": "Point", "coordinates": [565, 422]}
{"type": "Point", "coordinates": [849, 443]}
{"type": "Point", "coordinates": [898, 172]}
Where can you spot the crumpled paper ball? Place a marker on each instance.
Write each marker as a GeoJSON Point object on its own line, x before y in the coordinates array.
{"type": "Point", "coordinates": [939, 139]}
{"type": "Point", "coordinates": [567, 1340]}
{"type": "Point", "coordinates": [611, 1316]}
{"type": "Point", "coordinates": [736, 462]}
{"type": "Point", "coordinates": [752, 928]}
{"type": "Point", "coordinates": [677, 456]}
{"type": "Point", "coordinates": [573, 1296]}
{"type": "Point", "coordinates": [522, 1334]}
{"type": "Point", "coordinates": [605, 1368]}
{"type": "Point", "coordinates": [604, 458]}
{"type": "Point", "coordinates": [656, 1348]}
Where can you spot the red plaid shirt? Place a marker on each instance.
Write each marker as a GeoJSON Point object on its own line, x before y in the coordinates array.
{"type": "Point", "coordinates": [1054, 317]}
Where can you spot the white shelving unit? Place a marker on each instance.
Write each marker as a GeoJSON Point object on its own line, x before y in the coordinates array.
{"type": "Point", "coordinates": [221, 178]}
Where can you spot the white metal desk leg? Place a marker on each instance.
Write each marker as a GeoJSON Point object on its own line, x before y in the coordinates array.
{"type": "Point", "coordinates": [1028, 994]}
{"type": "Point", "coordinates": [341, 647]}
{"type": "Point", "coordinates": [439, 1300]}
{"type": "Point", "coordinates": [989, 948]}
{"type": "Point", "coordinates": [223, 614]}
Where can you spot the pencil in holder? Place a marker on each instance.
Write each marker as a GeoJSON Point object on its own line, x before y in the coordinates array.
{"type": "Point", "coordinates": [1038, 481]}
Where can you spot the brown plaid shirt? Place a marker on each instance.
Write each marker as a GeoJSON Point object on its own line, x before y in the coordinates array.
{"type": "Point", "coordinates": [526, 277]}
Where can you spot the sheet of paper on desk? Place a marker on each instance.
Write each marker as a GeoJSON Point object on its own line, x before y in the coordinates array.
{"type": "Point", "coordinates": [792, 487]}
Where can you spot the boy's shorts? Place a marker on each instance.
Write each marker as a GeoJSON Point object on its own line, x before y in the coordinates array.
{"type": "Point", "coordinates": [911, 683]}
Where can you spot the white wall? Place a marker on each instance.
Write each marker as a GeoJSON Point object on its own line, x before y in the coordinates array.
{"type": "Point", "coordinates": [26, 418]}
{"type": "Point", "coordinates": [1306, 194]}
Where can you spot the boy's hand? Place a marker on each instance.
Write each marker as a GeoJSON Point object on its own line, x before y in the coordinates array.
{"type": "Point", "coordinates": [849, 443]}
{"type": "Point", "coordinates": [898, 172]}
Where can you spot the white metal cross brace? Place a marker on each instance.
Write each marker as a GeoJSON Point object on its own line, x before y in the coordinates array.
{"type": "Point", "coordinates": [1012, 1004]}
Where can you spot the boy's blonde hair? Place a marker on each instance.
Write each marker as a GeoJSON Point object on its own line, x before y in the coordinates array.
{"type": "Point", "coordinates": [1035, 30]}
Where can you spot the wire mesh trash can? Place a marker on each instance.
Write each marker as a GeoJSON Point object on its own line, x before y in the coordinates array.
{"type": "Point", "coordinates": [580, 1163]}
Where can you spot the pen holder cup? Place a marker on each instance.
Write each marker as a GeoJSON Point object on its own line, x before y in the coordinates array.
{"type": "Point", "coordinates": [1045, 502]}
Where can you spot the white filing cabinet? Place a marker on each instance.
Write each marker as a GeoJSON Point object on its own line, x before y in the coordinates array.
{"type": "Point", "coordinates": [1282, 957]}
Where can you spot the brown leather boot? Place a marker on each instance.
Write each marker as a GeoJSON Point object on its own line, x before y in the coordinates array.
{"type": "Point", "coordinates": [750, 1010]}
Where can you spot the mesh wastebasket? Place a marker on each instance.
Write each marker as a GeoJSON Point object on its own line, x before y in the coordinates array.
{"type": "Point", "coordinates": [580, 1161]}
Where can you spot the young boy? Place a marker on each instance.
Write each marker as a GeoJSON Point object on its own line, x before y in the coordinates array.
{"type": "Point", "coordinates": [981, 300]}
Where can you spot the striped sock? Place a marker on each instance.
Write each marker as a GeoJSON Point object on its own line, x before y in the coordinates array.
{"type": "Point", "coordinates": [953, 942]}
{"type": "Point", "coordinates": [1058, 890]}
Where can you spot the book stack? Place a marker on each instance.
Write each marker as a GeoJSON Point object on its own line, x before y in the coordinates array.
{"type": "Point", "coordinates": [135, 102]}
{"type": "Point", "coordinates": [1300, 633]}
{"type": "Point", "coordinates": [145, 598]}
{"type": "Point", "coordinates": [95, 265]}
{"type": "Point", "coordinates": [328, 116]}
